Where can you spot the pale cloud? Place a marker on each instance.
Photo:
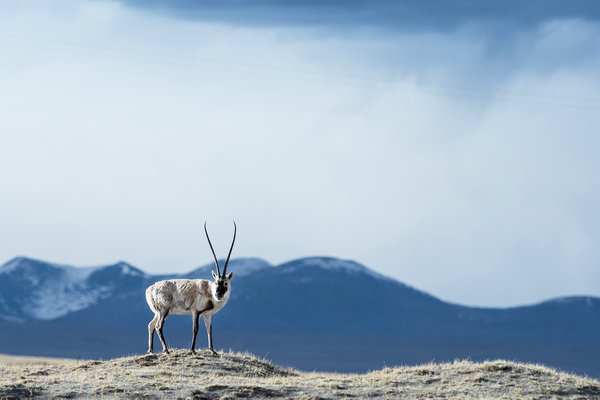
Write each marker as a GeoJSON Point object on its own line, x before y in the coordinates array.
{"type": "Point", "coordinates": [460, 166]}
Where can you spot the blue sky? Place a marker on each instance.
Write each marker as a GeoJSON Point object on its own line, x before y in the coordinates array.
{"type": "Point", "coordinates": [451, 147]}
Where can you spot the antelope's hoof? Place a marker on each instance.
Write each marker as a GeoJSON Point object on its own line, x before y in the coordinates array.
{"type": "Point", "coordinates": [150, 351]}
{"type": "Point", "coordinates": [213, 353]}
{"type": "Point", "coordinates": [192, 351]}
{"type": "Point", "coordinates": [165, 351]}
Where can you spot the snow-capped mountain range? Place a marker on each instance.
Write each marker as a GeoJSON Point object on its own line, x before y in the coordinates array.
{"type": "Point", "coordinates": [34, 290]}
{"type": "Point", "coordinates": [60, 310]}
{"type": "Point", "coordinates": [316, 294]}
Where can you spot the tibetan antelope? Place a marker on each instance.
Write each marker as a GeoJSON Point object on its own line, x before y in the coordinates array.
{"type": "Point", "coordinates": [199, 297]}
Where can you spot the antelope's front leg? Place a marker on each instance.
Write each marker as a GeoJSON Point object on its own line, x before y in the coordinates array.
{"type": "Point", "coordinates": [196, 317]}
{"type": "Point", "coordinates": [209, 334]}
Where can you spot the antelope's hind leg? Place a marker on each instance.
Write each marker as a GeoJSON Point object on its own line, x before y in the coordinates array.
{"type": "Point", "coordinates": [151, 327]}
{"type": "Point", "coordinates": [159, 329]}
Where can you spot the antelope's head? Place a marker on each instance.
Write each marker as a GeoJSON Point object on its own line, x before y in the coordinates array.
{"type": "Point", "coordinates": [222, 280]}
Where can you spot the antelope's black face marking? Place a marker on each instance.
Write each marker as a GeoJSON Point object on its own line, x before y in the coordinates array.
{"type": "Point", "coordinates": [222, 287]}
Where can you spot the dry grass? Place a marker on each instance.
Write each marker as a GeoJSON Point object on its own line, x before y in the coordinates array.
{"type": "Point", "coordinates": [25, 360]}
{"type": "Point", "coordinates": [233, 375]}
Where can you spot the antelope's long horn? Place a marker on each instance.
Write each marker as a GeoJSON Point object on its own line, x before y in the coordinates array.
{"type": "Point", "coordinates": [213, 250]}
{"type": "Point", "coordinates": [232, 243]}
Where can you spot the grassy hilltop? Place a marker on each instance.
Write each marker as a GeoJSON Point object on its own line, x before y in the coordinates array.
{"type": "Point", "coordinates": [234, 375]}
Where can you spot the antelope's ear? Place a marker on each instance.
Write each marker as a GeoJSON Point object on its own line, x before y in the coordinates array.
{"type": "Point", "coordinates": [214, 275]}
{"type": "Point", "coordinates": [230, 275]}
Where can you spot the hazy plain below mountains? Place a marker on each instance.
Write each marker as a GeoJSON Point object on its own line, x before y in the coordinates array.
{"type": "Point", "coordinates": [313, 313]}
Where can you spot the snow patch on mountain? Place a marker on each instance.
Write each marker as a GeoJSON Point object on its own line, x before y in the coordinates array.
{"type": "Point", "coordinates": [11, 266]}
{"type": "Point", "coordinates": [64, 299]}
{"type": "Point", "coordinates": [239, 266]}
{"type": "Point", "coordinates": [245, 266]}
{"type": "Point", "coordinates": [331, 264]}
{"type": "Point", "coordinates": [51, 290]}
{"type": "Point", "coordinates": [70, 292]}
{"type": "Point", "coordinates": [587, 300]}
{"type": "Point", "coordinates": [127, 269]}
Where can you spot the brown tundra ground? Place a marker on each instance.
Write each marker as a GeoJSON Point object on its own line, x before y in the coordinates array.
{"type": "Point", "coordinates": [182, 375]}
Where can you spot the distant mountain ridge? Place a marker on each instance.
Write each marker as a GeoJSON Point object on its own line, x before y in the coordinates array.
{"type": "Point", "coordinates": [35, 290]}
{"type": "Point", "coordinates": [316, 312]}
{"type": "Point", "coordinates": [314, 294]}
